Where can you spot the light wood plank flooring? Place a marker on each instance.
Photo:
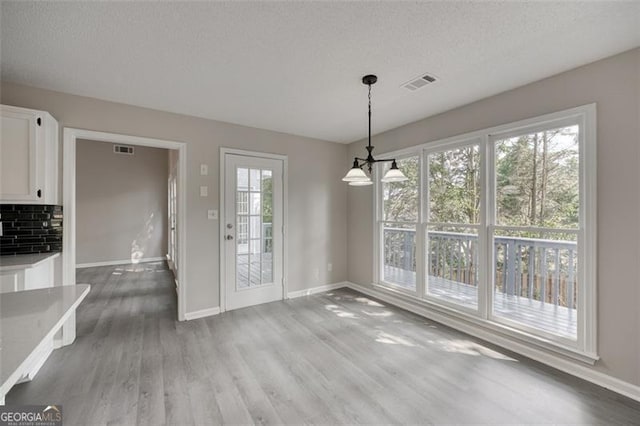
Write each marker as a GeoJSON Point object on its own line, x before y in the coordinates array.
{"type": "Point", "coordinates": [336, 357]}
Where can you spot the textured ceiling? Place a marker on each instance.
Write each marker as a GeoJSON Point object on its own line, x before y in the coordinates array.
{"type": "Point", "coordinates": [295, 67]}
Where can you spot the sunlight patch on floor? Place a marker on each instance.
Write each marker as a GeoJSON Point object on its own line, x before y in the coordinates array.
{"type": "Point", "coordinates": [378, 314]}
{"type": "Point", "coordinates": [467, 347]}
{"type": "Point", "coordinates": [390, 339]}
{"type": "Point", "coordinates": [339, 312]}
{"type": "Point", "coordinates": [369, 302]}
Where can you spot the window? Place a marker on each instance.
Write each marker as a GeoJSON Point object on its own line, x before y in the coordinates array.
{"type": "Point", "coordinates": [500, 225]}
{"type": "Point", "coordinates": [535, 248]}
{"type": "Point", "coordinates": [453, 195]}
{"type": "Point", "coordinates": [400, 214]}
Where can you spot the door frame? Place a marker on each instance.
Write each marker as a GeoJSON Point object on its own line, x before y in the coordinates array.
{"type": "Point", "coordinates": [70, 137]}
{"type": "Point", "coordinates": [285, 218]}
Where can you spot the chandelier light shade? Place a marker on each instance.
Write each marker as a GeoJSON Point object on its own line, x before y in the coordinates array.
{"type": "Point", "coordinates": [393, 174]}
{"type": "Point", "coordinates": [356, 176]}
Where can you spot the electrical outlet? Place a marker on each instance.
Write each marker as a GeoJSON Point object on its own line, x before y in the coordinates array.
{"type": "Point", "coordinates": [204, 191]}
{"type": "Point", "coordinates": [212, 214]}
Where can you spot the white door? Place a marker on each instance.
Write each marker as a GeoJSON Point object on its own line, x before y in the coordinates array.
{"type": "Point", "coordinates": [253, 212]}
{"type": "Point", "coordinates": [173, 220]}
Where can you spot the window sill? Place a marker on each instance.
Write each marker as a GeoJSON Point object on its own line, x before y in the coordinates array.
{"type": "Point", "coordinates": [491, 331]}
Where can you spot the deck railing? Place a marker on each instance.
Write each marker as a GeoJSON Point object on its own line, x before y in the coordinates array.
{"type": "Point", "coordinates": [536, 269]}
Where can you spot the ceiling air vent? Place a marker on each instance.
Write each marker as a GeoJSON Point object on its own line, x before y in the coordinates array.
{"type": "Point", "coordinates": [123, 149]}
{"type": "Point", "coordinates": [419, 82]}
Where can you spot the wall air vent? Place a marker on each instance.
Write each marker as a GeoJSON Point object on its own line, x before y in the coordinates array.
{"type": "Point", "coordinates": [123, 149]}
{"type": "Point", "coordinates": [419, 82]}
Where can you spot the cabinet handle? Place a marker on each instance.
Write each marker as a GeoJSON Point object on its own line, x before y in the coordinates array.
{"type": "Point", "coordinates": [39, 193]}
{"type": "Point", "coordinates": [39, 121]}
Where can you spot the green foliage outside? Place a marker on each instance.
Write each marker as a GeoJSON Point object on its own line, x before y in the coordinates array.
{"type": "Point", "coordinates": [536, 183]}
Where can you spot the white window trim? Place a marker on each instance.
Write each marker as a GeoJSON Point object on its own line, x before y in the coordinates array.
{"type": "Point", "coordinates": [585, 347]}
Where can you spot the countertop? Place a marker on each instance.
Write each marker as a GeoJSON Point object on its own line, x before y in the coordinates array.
{"type": "Point", "coordinates": [26, 319]}
{"type": "Point", "coordinates": [24, 261]}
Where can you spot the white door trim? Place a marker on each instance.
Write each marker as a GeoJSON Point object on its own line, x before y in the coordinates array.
{"type": "Point", "coordinates": [285, 218]}
{"type": "Point", "coordinates": [70, 137]}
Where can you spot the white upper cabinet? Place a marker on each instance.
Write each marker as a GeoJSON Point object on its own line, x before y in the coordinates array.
{"type": "Point", "coordinates": [28, 156]}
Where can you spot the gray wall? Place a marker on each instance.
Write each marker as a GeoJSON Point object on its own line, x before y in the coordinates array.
{"type": "Point", "coordinates": [614, 84]}
{"type": "Point", "coordinates": [121, 203]}
{"type": "Point", "coordinates": [317, 197]}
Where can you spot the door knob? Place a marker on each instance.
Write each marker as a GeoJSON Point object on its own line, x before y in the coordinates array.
{"type": "Point", "coordinates": [229, 237]}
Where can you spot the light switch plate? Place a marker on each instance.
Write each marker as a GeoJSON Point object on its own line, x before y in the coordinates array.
{"type": "Point", "coordinates": [204, 169]}
{"type": "Point", "coordinates": [204, 191]}
{"type": "Point", "coordinates": [212, 214]}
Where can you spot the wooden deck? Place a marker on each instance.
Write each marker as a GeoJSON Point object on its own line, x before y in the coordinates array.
{"type": "Point", "coordinates": [251, 277]}
{"type": "Point", "coordinates": [547, 317]}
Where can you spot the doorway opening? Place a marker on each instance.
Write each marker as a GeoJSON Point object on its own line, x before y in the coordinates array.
{"type": "Point", "coordinates": [127, 190]}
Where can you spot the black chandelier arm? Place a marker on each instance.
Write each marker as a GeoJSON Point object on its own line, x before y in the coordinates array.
{"type": "Point", "coordinates": [365, 160]}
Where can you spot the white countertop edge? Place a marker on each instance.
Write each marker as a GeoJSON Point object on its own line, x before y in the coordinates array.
{"type": "Point", "coordinates": [27, 264]}
{"type": "Point", "coordinates": [15, 376]}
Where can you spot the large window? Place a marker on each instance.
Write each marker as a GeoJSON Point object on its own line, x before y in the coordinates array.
{"type": "Point", "coordinates": [500, 225]}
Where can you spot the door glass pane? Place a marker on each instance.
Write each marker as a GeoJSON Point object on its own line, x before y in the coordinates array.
{"type": "Point", "coordinates": [254, 180]}
{"type": "Point", "coordinates": [242, 270]}
{"type": "Point", "coordinates": [242, 179]}
{"type": "Point", "coordinates": [242, 202]}
{"type": "Point", "coordinates": [256, 227]}
{"type": "Point", "coordinates": [254, 203]}
{"type": "Point", "coordinates": [254, 234]}
{"type": "Point", "coordinates": [534, 272]}
{"type": "Point", "coordinates": [452, 248]}
{"type": "Point", "coordinates": [255, 259]}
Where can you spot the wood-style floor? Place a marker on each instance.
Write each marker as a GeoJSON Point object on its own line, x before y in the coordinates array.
{"type": "Point", "coordinates": [337, 357]}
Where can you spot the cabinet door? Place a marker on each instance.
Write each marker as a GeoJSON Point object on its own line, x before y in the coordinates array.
{"type": "Point", "coordinates": [18, 156]}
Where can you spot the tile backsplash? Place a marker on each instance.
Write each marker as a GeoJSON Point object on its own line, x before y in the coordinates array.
{"type": "Point", "coordinates": [30, 228]}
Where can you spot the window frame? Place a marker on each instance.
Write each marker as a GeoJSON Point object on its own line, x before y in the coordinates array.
{"type": "Point", "coordinates": [435, 148]}
{"type": "Point", "coordinates": [585, 346]}
{"type": "Point", "coordinates": [379, 225]}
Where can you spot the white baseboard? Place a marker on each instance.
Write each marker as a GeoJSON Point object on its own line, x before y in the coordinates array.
{"type": "Point", "coordinates": [215, 311]}
{"type": "Point", "coordinates": [202, 313]}
{"type": "Point", "coordinates": [314, 290]}
{"type": "Point", "coordinates": [574, 368]}
{"type": "Point", "coordinates": [119, 262]}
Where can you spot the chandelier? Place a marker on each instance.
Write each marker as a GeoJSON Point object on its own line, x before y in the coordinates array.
{"type": "Point", "coordinates": [356, 175]}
